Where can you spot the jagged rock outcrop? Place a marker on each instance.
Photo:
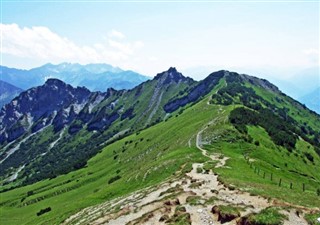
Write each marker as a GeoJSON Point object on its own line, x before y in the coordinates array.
{"type": "Point", "coordinates": [260, 82]}
{"type": "Point", "coordinates": [201, 89]}
{"type": "Point", "coordinates": [171, 75]}
{"type": "Point", "coordinates": [37, 106]}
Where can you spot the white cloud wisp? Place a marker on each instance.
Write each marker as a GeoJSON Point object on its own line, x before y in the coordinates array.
{"type": "Point", "coordinates": [41, 44]}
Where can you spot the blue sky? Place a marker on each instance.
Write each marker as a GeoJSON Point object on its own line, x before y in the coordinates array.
{"type": "Point", "coordinates": [149, 37]}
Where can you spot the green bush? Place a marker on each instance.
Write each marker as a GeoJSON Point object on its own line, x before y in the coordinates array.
{"type": "Point", "coordinates": [199, 169]}
{"type": "Point", "coordinates": [43, 211]}
{"type": "Point", "coordinates": [113, 179]}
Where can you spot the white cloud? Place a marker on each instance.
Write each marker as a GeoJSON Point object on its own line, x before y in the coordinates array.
{"type": "Point", "coordinates": [153, 59]}
{"type": "Point", "coordinates": [312, 56]}
{"type": "Point", "coordinates": [311, 51]}
{"type": "Point", "coordinates": [116, 34]}
{"type": "Point", "coordinates": [41, 44]}
{"type": "Point", "coordinates": [122, 47]}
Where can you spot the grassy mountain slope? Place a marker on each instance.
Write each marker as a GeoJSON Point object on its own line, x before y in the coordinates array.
{"type": "Point", "coordinates": [167, 150]}
{"type": "Point", "coordinates": [105, 117]}
{"type": "Point", "coordinates": [259, 148]}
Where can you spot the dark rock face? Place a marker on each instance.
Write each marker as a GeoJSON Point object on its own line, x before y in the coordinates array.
{"type": "Point", "coordinates": [102, 123]}
{"type": "Point", "coordinates": [63, 117]}
{"type": "Point", "coordinates": [201, 89]}
{"type": "Point", "coordinates": [128, 113]}
{"type": "Point", "coordinates": [14, 133]}
{"type": "Point", "coordinates": [171, 75]}
{"type": "Point", "coordinates": [75, 128]}
{"type": "Point", "coordinates": [85, 116]}
{"type": "Point", "coordinates": [45, 120]}
{"type": "Point", "coordinates": [37, 106]}
{"type": "Point", "coordinates": [58, 104]}
{"type": "Point", "coordinates": [260, 82]}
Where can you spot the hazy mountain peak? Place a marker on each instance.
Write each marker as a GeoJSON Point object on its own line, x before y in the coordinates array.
{"type": "Point", "coordinates": [8, 92]}
{"type": "Point", "coordinates": [171, 75]}
{"type": "Point", "coordinates": [312, 100]}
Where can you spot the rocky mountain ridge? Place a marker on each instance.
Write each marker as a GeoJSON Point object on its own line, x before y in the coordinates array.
{"type": "Point", "coordinates": [100, 115]}
{"type": "Point", "coordinates": [65, 114]}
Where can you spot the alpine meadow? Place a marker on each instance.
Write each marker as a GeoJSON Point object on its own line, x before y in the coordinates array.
{"type": "Point", "coordinates": [159, 113]}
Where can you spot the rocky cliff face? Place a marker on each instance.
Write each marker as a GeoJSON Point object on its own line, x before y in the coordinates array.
{"type": "Point", "coordinates": [200, 89]}
{"type": "Point", "coordinates": [60, 104]}
{"type": "Point", "coordinates": [55, 102]}
{"type": "Point", "coordinates": [60, 112]}
{"type": "Point", "coordinates": [171, 76]}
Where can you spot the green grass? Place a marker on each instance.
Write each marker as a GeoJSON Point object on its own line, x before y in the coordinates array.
{"type": "Point", "coordinates": [312, 218]}
{"type": "Point", "coordinates": [194, 200]}
{"type": "Point", "coordinates": [209, 165]}
{"type": "Point", "coordinates": [229, 210]}
{"type": "Point", "coordinates": [180, 217]}
{"type": "Point", "coordinates": [183, 219]}
{"type": "Point", "coordinates": [211, 200]}
{"type": "Point", "coordinates": [268, 216]}
{"type": "Point", "coordinates": [226, 212]}
{"type": "Point", "coordinates": [297, 112]}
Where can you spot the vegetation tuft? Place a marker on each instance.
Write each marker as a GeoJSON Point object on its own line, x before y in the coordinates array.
{"type": "Point", "coordinates": [313, 218]}
{"type": "Point", "coordinates": [268, 216]}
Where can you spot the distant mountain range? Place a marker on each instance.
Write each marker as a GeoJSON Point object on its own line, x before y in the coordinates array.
{"type": "Point", "coordinates": [8, 92]}
{"type": "Point", "coordinates": [96, 77]}
{"type": "Point", "coordinates": [312, 100]}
